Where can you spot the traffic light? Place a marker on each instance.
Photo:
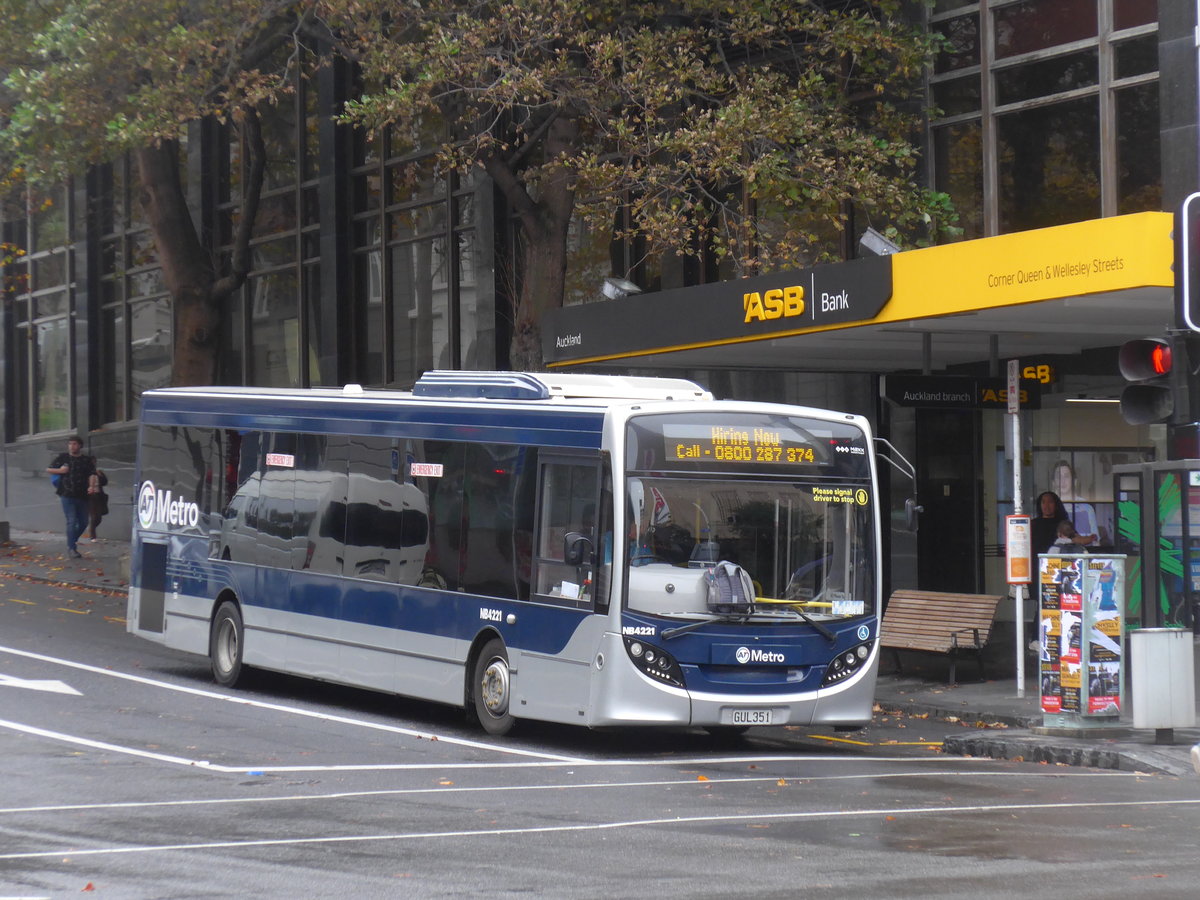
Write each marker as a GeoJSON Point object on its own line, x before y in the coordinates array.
{"type": "Point", "coordinates": [1148, 364]}
{"type": "Point", "coordinates": [1187, 262]}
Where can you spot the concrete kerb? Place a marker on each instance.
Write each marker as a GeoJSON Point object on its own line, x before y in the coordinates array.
{"type": "Point", "coordinates": [1132, 751]}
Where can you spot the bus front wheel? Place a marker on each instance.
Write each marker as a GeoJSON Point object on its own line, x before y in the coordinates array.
{"type": "Point", "coordinates": [492, 688]}
{"type": "Point", "coordinates": [225, 644]}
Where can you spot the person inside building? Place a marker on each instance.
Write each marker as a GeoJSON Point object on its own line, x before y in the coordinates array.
{"type": "Point", "coordinates": [1044, 525]}
{"type": "Point", "coordinates": [1049, 513]}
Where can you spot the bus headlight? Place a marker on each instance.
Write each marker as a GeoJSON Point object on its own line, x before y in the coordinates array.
{"type": "Point", "coordinates": [654, 663]}
{"type": "Point", "coordinates": [846, 664]}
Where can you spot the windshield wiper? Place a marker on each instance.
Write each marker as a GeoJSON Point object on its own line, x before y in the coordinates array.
{"type": "Point", "coordinates": [667, 633]}
{"type": "Point", "coordinates": [829, 635]}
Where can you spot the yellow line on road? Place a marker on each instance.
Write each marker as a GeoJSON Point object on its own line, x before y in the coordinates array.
{"type": "Point", "coordinates": [78, 612]}
{"type": "Point", "coordinates": [15, 600]}
{"type": "Point", "coordinates": [825, 737]}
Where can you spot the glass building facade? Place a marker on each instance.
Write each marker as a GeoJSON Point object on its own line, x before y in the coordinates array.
{"type": "Point", "coordinates": [370, 264]}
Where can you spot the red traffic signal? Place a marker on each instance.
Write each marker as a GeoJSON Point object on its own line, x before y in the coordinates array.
{"type": "Point", "coordinates": [1148, 363]}
{"type": "Point", "coordinates": [1144, 359]}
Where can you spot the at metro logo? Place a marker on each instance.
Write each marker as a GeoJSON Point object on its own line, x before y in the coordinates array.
{"type": "Point", "coordinates": [746, 655]}
{"type": "Point", "coordinates": [155, 507]}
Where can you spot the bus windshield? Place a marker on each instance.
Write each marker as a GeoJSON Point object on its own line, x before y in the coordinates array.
{"type": "Point", "coordinates": [806, 545]}
{"type": "Point", "coordinates": [784, 497]}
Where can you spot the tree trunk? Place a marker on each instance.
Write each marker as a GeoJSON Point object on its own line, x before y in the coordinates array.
{"type": "Point", "coordinates": [545, 223]}
{"type": "Point", "coordinates": [544, 262]}
{"type": "Point", "coordinates": [198, 291]}
{"type": "Point", "coordinates": [186, 267]}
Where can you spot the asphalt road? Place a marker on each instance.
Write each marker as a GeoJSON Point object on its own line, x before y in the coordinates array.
{"type": "Point", "coordinates": [127, 773]}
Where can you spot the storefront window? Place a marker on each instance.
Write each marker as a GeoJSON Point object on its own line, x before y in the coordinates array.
{"type": "Point", "coordinates": [958, 96]}
{"type": "Point", "coordinates": [1046, 77]}
{"type": "Point", "coordinates": [1131, 13]}
{"type": "Point", "coordinates": [959, 166]}
{"type": "Point", "coordinates": [1140, 186]}
{"type": "Point", "coordinates": [1040, 24]}
{"type": "Point", "coordinates": [275, 329]}
{"type": "Point", "coordinates": [414, 260]}
{"type": "Point", "coordinates": [1053, 80]}
{"type": "Point", "coordinates": [1049, 162]}
{"type": "Point", "coordinates": [39, 281]}
{"type": "Point", "coordinates": [962, 37]}
{"type": "Point", "coordinates": [277, 302]}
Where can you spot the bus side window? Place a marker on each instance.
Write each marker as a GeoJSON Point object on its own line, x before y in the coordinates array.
{"type": "Point", "coordinates": [238, 538]}
{"type": "Point", "coordinates": [387, 527]}
{"type": "Point", "coordinates": [567, 504]}
{"type": "Point", "coordinates": [488, 519]}
{"type": "Point", "coordinates": [443, 491]}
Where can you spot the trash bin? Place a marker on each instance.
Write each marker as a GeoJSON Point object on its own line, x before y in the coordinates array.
{"type": "Point", "coordinates": [1162, 678]}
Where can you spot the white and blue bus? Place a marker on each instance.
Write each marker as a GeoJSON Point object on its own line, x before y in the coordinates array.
{"type": "Point", "coordinates": [598, 550]}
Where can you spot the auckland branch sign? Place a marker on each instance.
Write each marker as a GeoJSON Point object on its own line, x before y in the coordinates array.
{"type": "Point", "coordinates": [954, 392]}
{"type": "Point", "coordinates": [727, 312]}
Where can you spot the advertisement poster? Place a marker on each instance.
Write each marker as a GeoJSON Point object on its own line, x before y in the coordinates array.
{"type": "Point", "coordinates": [1049, 629]}
{"type": "Point", "coordinates": [1080, 634]}
{"type": "Point", "coordinates": [1104, 637]}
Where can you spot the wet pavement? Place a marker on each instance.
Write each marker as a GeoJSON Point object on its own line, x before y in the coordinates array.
{"type": "Point", "coordinates": [981, 718]}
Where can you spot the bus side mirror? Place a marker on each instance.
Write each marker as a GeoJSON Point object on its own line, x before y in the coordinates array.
{"type": "Point", "coordinates": [577, 548]}
{"type": "Point", "coordinates": [911, 513]}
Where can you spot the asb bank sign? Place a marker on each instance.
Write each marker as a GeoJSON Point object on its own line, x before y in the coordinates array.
{"type": "Point", "coordinates": [159, 508]}
{"type": "Point", "coordinates": [709, 315]}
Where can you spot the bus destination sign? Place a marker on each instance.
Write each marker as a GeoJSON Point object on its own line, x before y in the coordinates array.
{"type": "Point", "coordinates": [721, 443]}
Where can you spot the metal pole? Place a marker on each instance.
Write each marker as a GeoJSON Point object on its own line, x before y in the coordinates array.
{"type": "Point", "coordinates": [1014, 418]}
{"type": "Point", "coordinates": [1019, 589]}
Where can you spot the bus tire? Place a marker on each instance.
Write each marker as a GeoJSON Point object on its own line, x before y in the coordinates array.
{"type": "Point", "coordinates": [491, 688]}
{"type": "Point", "coordinates": [225, 644]}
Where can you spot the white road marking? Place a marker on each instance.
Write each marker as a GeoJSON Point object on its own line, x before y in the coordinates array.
{"type": "Point", "coordinates": [794, 815]}
{"type": "Point", "coordinates": [288, 710]}
{"type": "Point", "coordinates": [550, 762]}
{"type": "Point", "coordinates": [557, 787]}
{"type": "Point", "coordinates": [53, 687]}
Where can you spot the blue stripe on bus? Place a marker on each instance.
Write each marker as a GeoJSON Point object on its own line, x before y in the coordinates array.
{"type": "Point", "coordinates": [552, 426]}
{"type": "Point", "coordinates": [415, 610]}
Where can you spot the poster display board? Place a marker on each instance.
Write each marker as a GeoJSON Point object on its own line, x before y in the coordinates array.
{"type": "Point", "coordinates": [1080, 637]}
{"type": "Point", "coordinates": [1017, 549]}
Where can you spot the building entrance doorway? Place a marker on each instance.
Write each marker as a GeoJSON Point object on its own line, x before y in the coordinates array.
{"type": "Point", "coordinates": [950, 539]}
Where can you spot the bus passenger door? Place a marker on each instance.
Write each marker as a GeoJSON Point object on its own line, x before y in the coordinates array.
{"type": "Point", "coordinates": [559, 632]}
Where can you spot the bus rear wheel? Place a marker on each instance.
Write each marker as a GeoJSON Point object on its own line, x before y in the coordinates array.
{"type": "Point", "coordinates": [225, 644]}
{"type": "Point", "coordinates": [492, 688]}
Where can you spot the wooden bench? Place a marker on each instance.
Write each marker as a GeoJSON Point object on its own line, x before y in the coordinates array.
{"type": "Point", "coordinates": [935, 622]}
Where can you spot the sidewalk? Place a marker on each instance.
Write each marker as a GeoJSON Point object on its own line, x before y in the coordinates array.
{"type": "Point", "coordinates": [981, 718]}
{"type": "Point", "coordinates": [989, 719]}
{"type": "Point", "coordinates": [42, 556]}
